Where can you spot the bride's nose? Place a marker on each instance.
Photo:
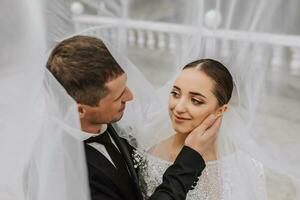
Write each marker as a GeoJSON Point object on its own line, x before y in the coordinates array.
{"type": "Point", "coordinates": [180, 107]}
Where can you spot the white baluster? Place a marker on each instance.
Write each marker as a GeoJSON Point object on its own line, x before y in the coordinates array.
{"type": "Point", "coordinates": [131, 37]}
{"type": "Point", "coordinates": [150, 40]}
{"type": "Point", "coordinates": [278, 59]}
{"type": "Point", "coordinates": [259, 54]}
{"type": "Point", "coordinates": [101, 8]}
{"type": "Point", "coordinates": [122, 38]}
{"type": "Point", "coordinates": [140, 38]}
{"type": "Point", "coordinates": [225, 51]}
{"type": "Point", "coordinates": [172, 42]}
{"type": "Point", "coordinates": [161, 40]}
{"type": "Point", "coordinates": [295, 63]}
{"type": "Point", "coordinates": [210, 47]}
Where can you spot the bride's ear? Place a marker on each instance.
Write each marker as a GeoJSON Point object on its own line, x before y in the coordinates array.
{"type": "Point", "coordinates": [221, 110]}
{"type": "Point", "coordinates": [81, 110]}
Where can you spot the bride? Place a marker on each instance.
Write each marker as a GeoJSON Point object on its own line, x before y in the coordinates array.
{"type": "Point", "coordinates": [203, 87]}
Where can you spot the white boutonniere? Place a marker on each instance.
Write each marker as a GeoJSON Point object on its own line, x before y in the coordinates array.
{"type": "Point", "coordinates": [139, 160]}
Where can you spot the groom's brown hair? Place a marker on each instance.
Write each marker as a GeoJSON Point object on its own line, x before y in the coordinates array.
{"type": "Point", "coordinates": [83, 65]}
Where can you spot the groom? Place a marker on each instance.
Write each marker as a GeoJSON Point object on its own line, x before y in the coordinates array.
{"type": "Point", "coordinates": [86, 69]}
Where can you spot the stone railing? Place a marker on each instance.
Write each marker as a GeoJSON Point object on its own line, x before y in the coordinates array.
{"type": "Point", "coordinates": [168, 37]}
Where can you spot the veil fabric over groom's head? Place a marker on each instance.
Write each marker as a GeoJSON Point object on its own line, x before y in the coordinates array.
{"type": "Point", "coordinates": [41, 158]}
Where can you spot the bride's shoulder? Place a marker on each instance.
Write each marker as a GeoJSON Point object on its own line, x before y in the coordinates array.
{"type": "Point", "coordinates": [241, 160]}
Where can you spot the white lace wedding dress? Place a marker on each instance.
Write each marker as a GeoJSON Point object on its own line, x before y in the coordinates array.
{"type": "Point", "coordinates": [208, 186]}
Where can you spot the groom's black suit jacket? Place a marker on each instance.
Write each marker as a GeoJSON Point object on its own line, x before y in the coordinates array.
{"type": "Point", "coordinates": [105, 183]}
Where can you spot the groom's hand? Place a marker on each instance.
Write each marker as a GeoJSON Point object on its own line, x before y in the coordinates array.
{"type": "Point", "coordinates": [202, 138]}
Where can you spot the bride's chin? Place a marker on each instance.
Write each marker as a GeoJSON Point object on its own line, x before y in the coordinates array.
{"type": "Point", "coordinates": [181, 130]}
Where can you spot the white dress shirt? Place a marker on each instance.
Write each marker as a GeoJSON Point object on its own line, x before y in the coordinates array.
{"type": "Point", "coordinates": [100, 147]}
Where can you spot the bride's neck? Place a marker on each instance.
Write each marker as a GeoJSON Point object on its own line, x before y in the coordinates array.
{"type": "Point", "coordinates": [178, 143]}
{"type": "Point", "coordinates": [179, 139]}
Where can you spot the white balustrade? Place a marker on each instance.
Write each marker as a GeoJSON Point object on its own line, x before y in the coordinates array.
{"type": "Point", "coordinates": [172, 42]}
{"type": "Point", "coordinates": [295, 62]}
{"type": "Point", "coordinates": [140, 38]}
{"type": "Point", "coordinates": [210, 47]}
{"type": "Point", "coordinates": [131, 37]}
{"type": "Point", "coordinates": [225, 50]}
{"type": "Point", "coordinates": [259, 54]}
{"type": "Point", "coordinates": [161, 40]}
{"type": "Point", "coordinates": [147, 34]}
{"type": "Point", "coordinates": [101, 8]}
{"type": "Point", "coordinates": [278, 59]}
{"type": "Point", "coordinates": [150, 40]}
{"type": "Point", "coordinates": [167, 28]}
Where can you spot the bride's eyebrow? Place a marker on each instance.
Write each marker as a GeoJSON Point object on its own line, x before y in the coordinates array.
{"type": "Point", "coordinates": [197, 94]}
{"type": "Point", "coordinates": [176, 87]}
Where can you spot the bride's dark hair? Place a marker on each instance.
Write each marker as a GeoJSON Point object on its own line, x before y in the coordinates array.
{"type": "Point", "coordinates": [219, 74]}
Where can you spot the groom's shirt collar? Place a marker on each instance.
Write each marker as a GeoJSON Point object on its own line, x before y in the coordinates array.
{"type": "Point", "coordinates": [87, 135]}
{"type": "Point", "coordinates": [100, 147]}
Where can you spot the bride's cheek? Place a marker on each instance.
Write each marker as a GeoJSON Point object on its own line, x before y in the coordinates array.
{"type": "Point", "coordinates": [192, 125]}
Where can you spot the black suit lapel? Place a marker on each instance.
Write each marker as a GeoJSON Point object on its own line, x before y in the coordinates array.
{"type": "Point", "coordinates": [124, 149]}
{"type": "Point", "coordinates": [100, 162]}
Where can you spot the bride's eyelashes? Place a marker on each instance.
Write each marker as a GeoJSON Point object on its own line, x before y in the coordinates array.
{"type": "Point", "coordinates": [196, 102]}
{"type": "Point", "coordinates": [175, 94]}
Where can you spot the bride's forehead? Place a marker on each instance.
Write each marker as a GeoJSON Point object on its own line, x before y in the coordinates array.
{"type": "Point", "coordinates": [193, 77]}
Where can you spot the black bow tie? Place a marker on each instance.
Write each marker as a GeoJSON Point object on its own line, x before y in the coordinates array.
{"type": "Point", "coordinates": [113, 152]}
{"type": "Point", "coordinates": [102, 138]}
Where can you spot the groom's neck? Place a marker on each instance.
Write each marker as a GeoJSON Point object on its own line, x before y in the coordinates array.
{"type": "Point", "coordinates": [91, 128]}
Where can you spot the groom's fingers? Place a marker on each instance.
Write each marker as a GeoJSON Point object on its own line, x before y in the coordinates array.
{"type": "Point", "coordinates": [208, 122]}
{"type": "Point", "coordinates": [203, 137]}
{"type": "Point", "coordinates": [212, 131]}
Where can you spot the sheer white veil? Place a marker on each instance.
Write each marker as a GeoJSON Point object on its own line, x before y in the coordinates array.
{"type": "Point", "coordinates": [41, 157]}
{"type": "Point", "coordinates": [39, 121]}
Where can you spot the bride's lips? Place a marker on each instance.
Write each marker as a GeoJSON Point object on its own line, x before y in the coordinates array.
{"type": "Point", "coordinates": [179, 119]}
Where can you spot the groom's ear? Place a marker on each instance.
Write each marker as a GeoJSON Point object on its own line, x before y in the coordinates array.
{"type": "Point", "coordinates": [221, 110]}
{"type": "Point", "coordinates": [81, 110]}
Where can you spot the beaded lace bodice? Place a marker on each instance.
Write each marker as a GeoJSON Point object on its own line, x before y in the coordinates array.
{"type": "Point", "coordinates": [208, 186]}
